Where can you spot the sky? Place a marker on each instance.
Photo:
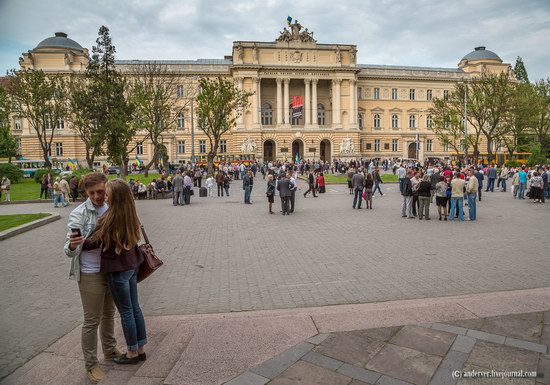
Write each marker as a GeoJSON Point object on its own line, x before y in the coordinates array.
{"type": "Point", "coordinates": [429, 33]}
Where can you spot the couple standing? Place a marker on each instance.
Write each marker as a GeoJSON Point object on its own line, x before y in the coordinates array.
{"type": "Point", "coordinates": [102, 242]}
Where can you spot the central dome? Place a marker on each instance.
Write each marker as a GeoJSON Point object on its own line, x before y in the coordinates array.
{"type": "Point", "coordinates": [480, 53]}
{"type": "Point", "coordinates": [60, 40]}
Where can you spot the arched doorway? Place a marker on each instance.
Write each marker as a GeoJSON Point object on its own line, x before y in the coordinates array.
{"type": "Point", "coordinates": [297, 149]}
{"type": "Point", "coordinates": [326, 154]}
{"type": "Point", "coordinates": [269, 151]}
{"type": "Point", "coordinates": [412, 151]}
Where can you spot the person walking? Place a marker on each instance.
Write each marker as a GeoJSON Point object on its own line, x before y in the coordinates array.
{"type": "Point", "coordinates": [491, 176]}
{"type": "Point", "coordinates": [415, 182]}
{"type": "Point", "coordinates": [401, 173]}
{"type": "Point", "coordinates": [270, 193]}
{"type": "Point", "coordinates": [187, 187]}
{"type": "Point", "coordinates": [522, 179]}
{"type": "Point", "coordinates": [226, 184]}
{"type": "Point", "coordinates": [65, 189]}
{"type": "Point", "coordinates": [198, 177]}
{"type": "Point", "coordinates": [58, 193]}
{"type": "Point", "coordinates": [97, 302]}
{"type": "Point", "coordinates": [117, 235]}
{"type": "Point", "coordinates": [248, 181]}
{"type": "Point", "coordinates": [283, 186]}
{"type": "Point", "coordinates": [377, 182]}
{"type": "Point", "coordinates": [471, 192]}
{"type": "Point", "coordinates": [407, 193]}
{"type": "Point", "coordinates": [424, 194]}
{"type": "Point", "coordinates": [369, 182]}
{"type": "Point", "coordinates": [503, 177]}
{"type": "Point", "coordinates": [219, 182]}
{"type": "Point", "coordinates": [5, 187]}
{"type": "Point", "coordinates": [537, 188]}
{"type": "Point", "coordinates": [311, 183]}
{"type": "Point", "coordinates": [350, 174]}
{"type": "Point", "coordinates": [441, 197]}
{"type": "Point", "coordinates": [44, 187]}
{"type": "Point", "coordinates": [358, 183]}
{"type": "Point", "coordinates": [479, 176]}
{"type": "Point", "coordinates": [457, 197]}
{"type": "Point", "coordinates": [321, 183]}
{"type": "Point", "coordinates": [177, 185]}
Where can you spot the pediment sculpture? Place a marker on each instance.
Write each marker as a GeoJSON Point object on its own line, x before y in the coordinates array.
{"type": "Point", "coordinates": [294, 33]}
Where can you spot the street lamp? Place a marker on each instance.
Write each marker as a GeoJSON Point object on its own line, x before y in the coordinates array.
{"type": "Point", "coordinates": [465, 117]}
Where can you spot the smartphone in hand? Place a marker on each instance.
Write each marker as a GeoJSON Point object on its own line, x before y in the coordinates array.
{"type": "Point", "coordinates": [77, 231]}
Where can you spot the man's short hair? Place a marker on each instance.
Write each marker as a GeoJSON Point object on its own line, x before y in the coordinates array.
{"type": "Point", "coordinates": [94, 178]}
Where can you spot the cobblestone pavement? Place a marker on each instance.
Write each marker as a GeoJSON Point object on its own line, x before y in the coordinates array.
{"type": "Point", "coordinates": [221, 255]}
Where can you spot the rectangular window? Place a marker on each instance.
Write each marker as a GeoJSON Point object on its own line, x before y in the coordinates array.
{"type": "Point", "coordinates": [377, 145]}
{"type": "Point", "coordinates": [394, 144]}
{"type": "Point", "coordinates": [377, 93]}
{"type": "Point", "coordinates": [60, 123]}
{"type": "Point", "coordinates": [446, 146]}
{"type": "Point", "coordinates": [446, 94]}
{"type": "Point", "coordinates": [180, 121]}
{"type": "Point", "coordinates": [429, 95]}
{"type": "Point", "coordinates": [179, 91]}
{"type": "Point", "coordinates": [386, 146]}
{"type": "Point", "coordinates": [369, 146]}
{"type": "Point", "coordinates": [429, 145]}
{"type": "Point", "coordinates": [17, 124]}
{"type": "Point", "coordinates": [139, 148]}
{"type": "Point", "coordinates": [359, 93]}
{"type": "Point", "coordinates": [58, 149]}
{"type": "Point", "coordinates": [412, 94]}
{"type": "Point", "coordinates": [360, 120]}
{"type": "Point", "coordinates": [223, 146]}
{"type": "Point", "coordinates": [181, 146]}
{"type": "Point", "coordinates": [18, 143]}
{"type": "Point", "coordinates": [394, 94]}
{"type": "Point", "coordinates": [202, 146]}
{"type": "Point", "coordinates": [48, 123]}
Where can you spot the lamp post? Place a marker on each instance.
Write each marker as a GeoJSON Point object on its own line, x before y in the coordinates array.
{"type": "Point", "coordinates": [192, 132]}
{"type": "Point", "coordinates": [465, 122]}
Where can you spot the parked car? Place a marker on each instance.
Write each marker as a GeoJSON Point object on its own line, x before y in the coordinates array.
{"type": "Point", "coordinates": [113, 170]}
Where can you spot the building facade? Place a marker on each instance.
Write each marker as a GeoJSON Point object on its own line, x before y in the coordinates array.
{"type": "Point", "coordinates": [349, 110]}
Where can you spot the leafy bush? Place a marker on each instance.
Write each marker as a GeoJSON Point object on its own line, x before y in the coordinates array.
{"type": "Point", "coordinates": [13, 172]}
{"type": "Point", "coordinates": [512, 163]}
{"type": "Point", "coordinates": [38, 174]}
{"type": "Point", "coordinates": [80, 172]}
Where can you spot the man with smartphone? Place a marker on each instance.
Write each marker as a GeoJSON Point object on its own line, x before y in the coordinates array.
{"type": "Point", "coordinates": [97, 303]}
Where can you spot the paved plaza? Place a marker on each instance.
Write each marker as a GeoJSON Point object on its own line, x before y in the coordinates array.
{"type": "Point", "coordinates": [223, 256]}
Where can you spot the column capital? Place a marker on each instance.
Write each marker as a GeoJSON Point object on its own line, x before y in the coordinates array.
{"type": "Point", "coordinates": [352, 82]}
{"type": "Point", "coordinates": [239, 78]}
{"type": "Point", "coordinates": [307, 81]}
{"type": "Point", "coordinates": [286, 80]}
{"type": "Point", "coordinates": [258, 80]}
{"type": "Point", "coordinates": [336, 81]}
{"type": "Point", "coordinates": [279, 80]}
{"type": "Point", "coordinates": [314, 81]}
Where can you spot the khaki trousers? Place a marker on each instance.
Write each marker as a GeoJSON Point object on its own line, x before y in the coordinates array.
{"type": "Point", "coordinates": [99, 310]}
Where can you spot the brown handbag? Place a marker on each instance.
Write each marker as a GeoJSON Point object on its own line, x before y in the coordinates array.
{"type": "Point", "coordinates": [150, 260]}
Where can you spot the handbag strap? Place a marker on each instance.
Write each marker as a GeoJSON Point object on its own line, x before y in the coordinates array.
{"type": "Point", "coordinates": [144, 234]}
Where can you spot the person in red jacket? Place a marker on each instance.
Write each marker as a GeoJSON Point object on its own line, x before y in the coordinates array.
{"type": "Point", "coordinates": [321, 183]}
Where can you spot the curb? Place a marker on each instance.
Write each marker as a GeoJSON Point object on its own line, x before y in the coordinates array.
{"type": "Point", "coordinates": [29, 226]}
{"type": "Point", "coordinates": [27, 201]}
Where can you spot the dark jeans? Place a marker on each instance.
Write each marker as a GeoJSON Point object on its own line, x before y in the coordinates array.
{"type": "Point", "coordinates": [285, 205]}
{"type": "Point", "coordinates": [491, 185]}
{"type": "Point", "coordinates": [312, 189]}
{"type": "Point", "coordinates": [123, 285]}
{"type": "Point", "coordinates": [247, 193]}
{"type": "Point", "coordinates": [415, 205]}
{"type": "Point", "coordinates": [377, 187]}
{"type": "Point", "coordinates": [187, 195]}
{"type": "Point", "coordinates": [479, 189]}
{"type": "Point", "coordinates": [292, 199]}
{"type": "Point", "coordinates": [220, 189]}
{"type": "Point", "coordinates": [401, 181]}
{"type": "Point", "coordinates": [178, 198]}
{"type": "Point", "coordinates": [44, 190]}
{"type": "Point", "coordinates": [503, 184]}
{"type": "Point", "coordinates": [357, 197]}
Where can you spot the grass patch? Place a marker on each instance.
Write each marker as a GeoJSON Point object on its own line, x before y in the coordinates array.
{"type": "Point", "coordinates": [27, 189]}
{"type": "Point", "coordinates": [10, 221]}
{"type": "Point", "coordinates": [343, 179]}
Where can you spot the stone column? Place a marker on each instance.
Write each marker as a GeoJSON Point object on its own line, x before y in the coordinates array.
{"type": "Point", "coordinates": [314, 120]}
{"type": "Point", "coordinates": [352, 104]}
{"type": "Point", "coordinates": [279, 106]}
{"type": "Point", "coordinates": [259, 99]}
{"type": "Point", "coordinates": [240, 119]}
{"type": "Point", "coordinates": [255, 101]}
{"type": "Point", "coordinates": [286, 96]}
{"type": "Point", "coordinates": [307, 103]}
{"type": "Point", "coordinates": [336, 102]}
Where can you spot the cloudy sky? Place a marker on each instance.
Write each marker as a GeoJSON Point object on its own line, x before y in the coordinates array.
{"type": "Point", "coordinates": [433, 33]}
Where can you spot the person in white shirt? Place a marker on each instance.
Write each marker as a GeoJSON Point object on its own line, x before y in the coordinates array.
{"type": "Point", "coordinates": [210, 185]}
{"type": "Point", "coordinates": [401, 171]}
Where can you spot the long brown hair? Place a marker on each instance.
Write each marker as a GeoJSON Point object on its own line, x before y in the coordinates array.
{"type": "Point", "coordinates": [119, 227]}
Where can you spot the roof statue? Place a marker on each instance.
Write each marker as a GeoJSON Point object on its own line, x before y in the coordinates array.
{"type": "Point", "coordinates": [295, 33]}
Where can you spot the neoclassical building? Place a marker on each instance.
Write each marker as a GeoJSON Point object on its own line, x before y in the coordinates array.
{"type": "Point", "coordinates": [349, 110]}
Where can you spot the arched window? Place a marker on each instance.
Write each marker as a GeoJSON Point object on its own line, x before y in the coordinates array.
{"type": "Point", "coordinates": [321, 114]}
{"type": "Point", "coordinates": [376, 121]}
{"type": "Point", "coordinates": [181, 120]}
{"type": "Point", "coordinates": [429, 121]}
{"type": "Point", "coordinates": [412, 121]}
{"type": "Point", "coordinates": [267, 115]}
{"type": "Point", "coordinates": [394, 121]}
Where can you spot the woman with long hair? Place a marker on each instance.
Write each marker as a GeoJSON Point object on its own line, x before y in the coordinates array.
{"type": "Point", "coordinates": [117, 233]}
{"type": "Point", "coordinates": [270, 192]}
{"type": "Point", "coordinates": [368, 190]}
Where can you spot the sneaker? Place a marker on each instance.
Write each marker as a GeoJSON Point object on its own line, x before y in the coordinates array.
{"type": "Point", "coordinates": [95, 374]}
{"type": "Point", "coordinates": [115, 353]}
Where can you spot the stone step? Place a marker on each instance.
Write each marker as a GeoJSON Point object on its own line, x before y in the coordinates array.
{"type": "Point", "coordinates": [42, 369]}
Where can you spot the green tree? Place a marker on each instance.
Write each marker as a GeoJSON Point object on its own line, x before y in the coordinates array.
{"type": "Point", "coordinates": [540, 125]}
{"type": "Point", "coordinates": [520, 71]}
{"type": "Point", "coordinates": [8, 145]}
{"type": "Point", "coordinates": [110, 107]}
{"type": "Point", "coordinates": [448, 125]}
{"type": "Point", "coordinates": [41, 99]}
{"type": "Point", "coordinates": [157, 105]}
{"type": "Point", "coordinates": [82, 116]}
{"type": "Point", "coordinates": [519, 117]}
{"type": "Point", "coordinates": [219, 104]}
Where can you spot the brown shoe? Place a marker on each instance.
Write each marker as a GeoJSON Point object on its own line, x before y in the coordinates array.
{"type": "Point", "coordinates": [115, 353]}
{"type": "Point", "coordinates": [95, 374]}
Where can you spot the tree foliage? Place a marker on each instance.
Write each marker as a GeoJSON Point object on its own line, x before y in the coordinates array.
{"type": "Point", "coordinates": [520, 71]}
{"type": "Point", "coordinates": [153, 91]}
{"type": "Point", "coordinates": [540, 123]}
{"type": "Point", "coordinates": [448, 125]}
{"type": "Point", "coordinates": [8, 145]}
{"type": "Point", "coordinates": [42, 100]}
{"type": "Point", "coordinates": [219, 104]}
